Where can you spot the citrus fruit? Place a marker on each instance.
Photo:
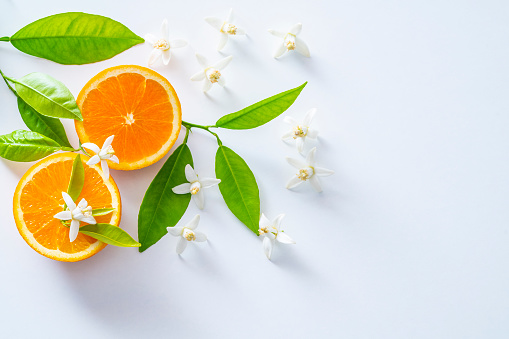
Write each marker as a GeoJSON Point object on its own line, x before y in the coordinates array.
{"type": "Point", "coordinates": [138, 106]}
{"type": "Point", "coordinates": [38, 197]}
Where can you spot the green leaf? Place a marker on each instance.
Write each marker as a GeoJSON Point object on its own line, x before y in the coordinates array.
{"type": "Point", "coordinates": [161, 207]}
{"type": "Point", "coordinates": [261, 112]}
{"type": "Point", "coordinates": [101, 211]}
{"type": "Point", "coordinates": [109, 234]}
{"type": "Point", "coordinates": [238, 187]}
{"type": "Point", "coordinates": [77, 179]}
{"type": "Point", "coordinates": [50, 127]}
{"type": "Point", "coordinates": [27, 146]}
{"type": "Point", "coordinates": [75, 38]}
{"type": "Point", "coordinates": [47, 96]}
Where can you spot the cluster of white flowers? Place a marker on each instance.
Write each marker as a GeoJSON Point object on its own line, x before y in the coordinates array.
{"type": "Point", "coordinates": [211, 73]}
{"type": "Point", "coordinates": [307, 170]}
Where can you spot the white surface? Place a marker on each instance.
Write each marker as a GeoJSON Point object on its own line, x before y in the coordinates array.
{"type": "Point", "coordinates": [408, 240]}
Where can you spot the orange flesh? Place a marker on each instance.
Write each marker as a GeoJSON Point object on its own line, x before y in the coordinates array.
{"type": "Point", "coordinates": [36, 203]}
{"type": "Point", "coordinates": [136, 108]}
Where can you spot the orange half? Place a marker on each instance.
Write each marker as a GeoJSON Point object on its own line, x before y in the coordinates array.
{"type": "Point", "coordinates": [138, 106]}
{"type": "Point", "coordinates": [38, 197]}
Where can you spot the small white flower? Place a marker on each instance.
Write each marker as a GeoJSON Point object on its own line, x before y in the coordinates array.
{"type": "Point", "coordinates": [290, 41]}
{"type": "Point", "coordinates": [82, 212]}
{"type": "Point", "coordinates": [102, 154]}
{"type": "Point", "coordinates": [307, 171]}
{"type": "Point", "coordinates": [211, 74]}
{"type": "Point", "coordinates": [301, 131]}
{"type": "Point", "coordinates": [187, 233]}
{"type": "Point", "coordinates": [195, 185]}
{"type": "Point", "coordinates": [162, 46]}
{"type": "Point", "coordinates": [271, 232]}
{"type": "Point", "coordinates": [225, 28]}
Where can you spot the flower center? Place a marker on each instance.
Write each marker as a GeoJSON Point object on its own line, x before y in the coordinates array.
{"type": "Point", "coordinates": [213, 75]}
{"type": "Point", "coordinates": [188, 234]}
{"type": "Point", "coordinates": [263, 230]}
{"type": "Point", "coordinates": [229, 29]}
{"type": "Point", "coordinates": [129, 119]}
{"type": "Point", "coordinates": [195, 187]}
{"type": "Point", "coordinates": [299, 132]}
{"type": "Point", "coordinates": [87, 212]}
{"type": "Point", "coordinates": [162, 44]}
{"type": "Point", "coordinates": [290, 42]}
{"type": "Point", "coordinates": [305, 173]}
{"type": "Point", "coordinates": [107, 153]}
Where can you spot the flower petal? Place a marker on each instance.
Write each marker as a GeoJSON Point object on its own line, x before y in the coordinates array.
{"type": "Point", "coordinates": [279, 34]}
{"type": "Point", "coordinates": [264, 222]}
{"type": "Point", "coordinates": [154, 55]}
{"type": "Point", "coordinates": [175, 231]}
{"type": "Point", "coordinates": [267, 247]}
{"type": "Point", "coordinates": [94, 160]}
{"type": "Point", "coordinates": [198, 76]}
{"type": "Point", "coordinates": [206, 85]}
{"type": "Point", "coordinates": [89, 220]}
{"type": "Point", "coordinates": [294, 182]}
{"type": "Point", "coordinates": [202, 61]}
{"type": "Point", "coordinates": [300, 144]}
{"type": "Point", "coordinates": [82, 204]}
{"type": "Point", "coordinates": [198, 199]}
{"type": "Point", "coordinates": [68, 201]}
{"type": "Point", "coordinates": [229, 18]}
{"type": "Point", "coordinates": [209, 182]}
{"type": "Point", "coordinates": [114, 158]}
{"type": "Point", "coordinates": [64, 215]}
{"type": "Point", "coordinates": [310, 158]}
{"type": "Point", "coordinates": [166, 57]}
{"type": "Point", "coordinates": [221, 64]}
{"type": "Point", "coordinates": [164, 29]}
{"type": "Point", "coordinates": [151, 39]}
{"type": "Point", "coordinates": [73, 230]}
{"type": "Point", "coordinates": [108, 141]}
{"type": "Point", "coordinates": [221, 81]}
{"type": "Point", "coordinates": [105, 168]}
{"type": "Point", "coordinates": [93, 147]}
{"type": "Point", "coordinates": [240, 31]}
{"type": "Point", "coordinates": [309, 117]}
{"type": "Point", "coordinates": [288, 135]}
{"type": "Point", "coordinates": [190, 174]}
{"type": "Point", "coordinates": [301, 47]}
{"type": "Point", "coordinates": [193, 224]}
{"type": "Point", "coordinates": [178, 43]}
{"type": "Point", "coordinates": [298, 164]}
{"type": "Point", "coordinates": [284, 238]}
{"type": "Point", "coordinates": [214, 22]}
{"type": "Point", "coordinates": [291, 121]}
{"type": "Point", "coordinates": [181, 245]}
{"type": "Point", "coordinates": [280, 50]}
{"type": "Point", "coordinates": [312, 133]}
{"type": "Point", "coordinates": [323, 172]}
{"type": "Point", "coordinates": [277, 221]}
{"type": "Point", "coordinates": [182, 188]}
{"type": "Point", "coordinates": [295, 29]}
{"type": "Point", "coordinates": [315, 182]}
{"type": "Point", "coordinates": [223, 39]}
{"type": "Point", "coordinates": [200, 236]}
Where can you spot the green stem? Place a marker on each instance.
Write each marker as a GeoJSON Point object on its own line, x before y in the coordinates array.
{"type": "Point", "coordinates": [187, 135]}
{"type": "Point", "coordinates": [5, 38]}
{"type": "Point", "coordinates": [189, 125]}
{"type": "Point", "coordinates": [7, 83]}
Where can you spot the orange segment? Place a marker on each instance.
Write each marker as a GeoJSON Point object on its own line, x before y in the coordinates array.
{"type": "Point", "coordinates": [138, 106]}
{"type": "Point", "coordinates": [38, 197]}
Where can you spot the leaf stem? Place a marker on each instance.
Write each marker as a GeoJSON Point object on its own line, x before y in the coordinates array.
{"type": "Point", "coordinates": [5, 38]}
{"type": "Point", "coordinates": [7, 83]}
{"type": "Point", "coordinates": [189, 125]}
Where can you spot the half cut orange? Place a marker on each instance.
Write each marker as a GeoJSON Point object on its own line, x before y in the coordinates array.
{"type": "Point", "coordinates": [38, 197]}
{"type": "Point", "coordinates": [138, 106]}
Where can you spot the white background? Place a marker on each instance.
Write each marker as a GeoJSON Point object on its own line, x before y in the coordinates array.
{"type": "Point", "coordinates": [409, 238]}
